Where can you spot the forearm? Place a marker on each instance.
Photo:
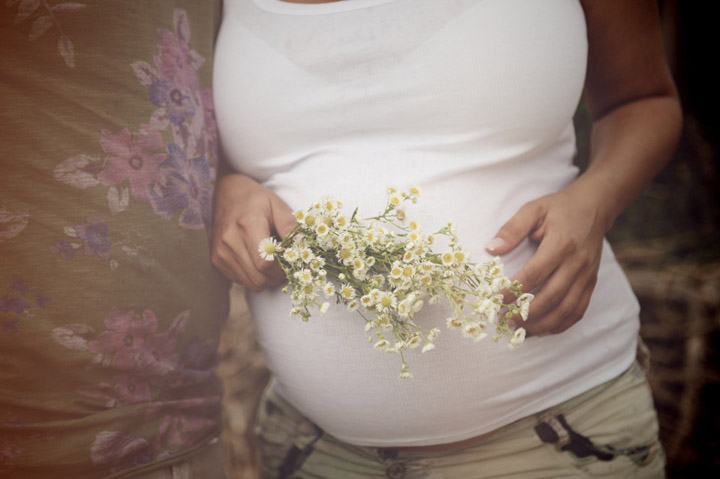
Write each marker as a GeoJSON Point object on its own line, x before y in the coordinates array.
{"type": "Point", "coordinates": [630, 145]}
{"type": "Point", "coordinates": [633, 103]}
{"type": "Point", "coordinates": [230, 184]}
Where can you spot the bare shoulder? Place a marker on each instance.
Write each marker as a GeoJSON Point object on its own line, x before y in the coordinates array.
{"type": "Point", "coordinates": [626, 60]}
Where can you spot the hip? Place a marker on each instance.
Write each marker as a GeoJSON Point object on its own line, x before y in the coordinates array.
{"type": "Point", "coordinates": [609, 431]}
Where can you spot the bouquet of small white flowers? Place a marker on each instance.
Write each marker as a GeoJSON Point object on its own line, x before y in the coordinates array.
{"type": "Point", "coordinates": [384, 268]}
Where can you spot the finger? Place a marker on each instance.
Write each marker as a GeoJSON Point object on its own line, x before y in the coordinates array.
{"type": "Point", "coordinates": [547, 258]}
{"type": "Point", "coordinates": [257, 279]}
{"type": "Point", "coordinates": [225, 258]}
{"type": "Point", "coordinates": [262, 273]}
{"type": "Point", "coordinates": [282, 218]}
{"type": "Point", "coordinates": [556, 287]}
{"type": "Point", "coordinates": [231, 269]}
{"type": "Point", "coordinates": [580, 308]}
{"type": "Point", "coordinates": [567, 312]}
{"type": "Point", "coordinates": [516, 229]}
{"type": "Point", "coordinates": [268, 269]}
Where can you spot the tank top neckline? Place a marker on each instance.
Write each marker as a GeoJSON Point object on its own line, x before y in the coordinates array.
{"type": "Point", "coordinates": [290, 8]}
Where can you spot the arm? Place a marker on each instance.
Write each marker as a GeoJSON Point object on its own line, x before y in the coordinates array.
{"type": "Point", "coordinates": [245, 212]}
{"type": "Point", "coordinates": [636, 125]}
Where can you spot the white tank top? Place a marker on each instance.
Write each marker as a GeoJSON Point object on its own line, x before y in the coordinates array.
{"type": "Point", "coordinates": [470, 99]}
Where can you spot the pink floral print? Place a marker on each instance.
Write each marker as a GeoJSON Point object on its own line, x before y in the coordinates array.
{"type": "Point", "coordinates": [16, 304]}
{"type": "Point", "coordinates": [169, 161]}
{"type": "Point", "coordinates": [12, 223]}
{"type": "Point", "coordinates": [181, 424]}
{"type": "Point", "coordinates": [135, 158]}
{"type": "Point", "coordinates": [140, 356]}
{"type": "Point", "coordinates": [144, 358]}
{"type": "Point", "coordinates": [62, 249]}
{"type": "Point", "coordinates": [132, 343]}
{"type": "Point", "coordinates": [94, 238]}
{"type": "Point", "coordinates": [119, 450]}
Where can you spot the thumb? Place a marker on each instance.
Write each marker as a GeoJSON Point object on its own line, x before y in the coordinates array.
{"type": "Point", "coordinates": [515, 230]}
{"type": "Point", "coordinates": [283, 220]}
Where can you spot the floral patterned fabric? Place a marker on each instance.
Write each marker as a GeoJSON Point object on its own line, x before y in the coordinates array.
{"type": "Point", "coordinates": [110, 311]}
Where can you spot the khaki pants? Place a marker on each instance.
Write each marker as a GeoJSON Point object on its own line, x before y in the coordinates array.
{"type": "Point", "coordinates": [610, 431]}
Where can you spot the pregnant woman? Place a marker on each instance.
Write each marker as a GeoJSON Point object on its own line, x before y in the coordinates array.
{"type": "Point", "coordinates": [473, 101]}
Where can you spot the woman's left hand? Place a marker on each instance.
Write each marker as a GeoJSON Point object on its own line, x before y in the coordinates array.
{"type": "Point", "coordinates": [569, 228]}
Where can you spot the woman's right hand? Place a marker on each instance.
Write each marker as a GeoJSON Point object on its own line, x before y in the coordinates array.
{"type": "Point", "coordinates": [244, 213]}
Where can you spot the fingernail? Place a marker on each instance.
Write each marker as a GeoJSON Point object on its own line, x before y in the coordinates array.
{"type": "Point", "coordinates": [511, 323]}
{"type": "Point", "coordinates": [494, 244]}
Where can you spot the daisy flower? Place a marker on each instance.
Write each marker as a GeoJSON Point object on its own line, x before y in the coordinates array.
{"type": "Point", "coordinates": [453, 323]}
{"type": "Point", "coordinates": [396, 271]}
{"type": "Point", "coordinates": [341, 221]}
{"type": "Point", "coordinates": [304, 276]}
{"type": "Point", "coordinates": [267, 249]}
{"type": "Point", "coordinates": [322, 229]}
{"type": "Point", "coordinates": [347, 292]}
{"type": "Point", "coordinates": [413, 342]}
{"type": "Point", "coordinates": [517, 338]}
{"type": "Point", "coordinates": [524, 302]}
{"type": "Point", "coordinates": [306, 255]}
{"type": "Point", "coordinates": [433, 334]}
{"type": "Point", "coordinates": [386, 301]}
{"type": "Point", "coordinates": [290, 255]}
{"type": "Point", "coordinates": [404, 372]}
